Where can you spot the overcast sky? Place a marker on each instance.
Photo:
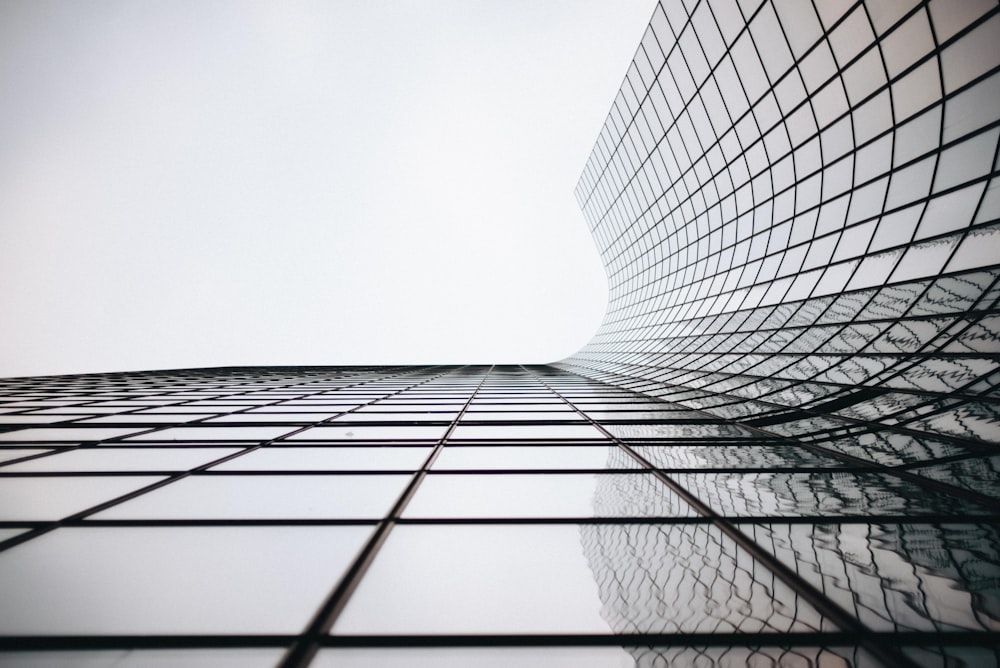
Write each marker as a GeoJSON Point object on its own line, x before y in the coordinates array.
{"type": "Point", "coordinates": [189, 184]}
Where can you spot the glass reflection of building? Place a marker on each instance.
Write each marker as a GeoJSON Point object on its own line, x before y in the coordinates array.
{"type": "Point", "coordinates": [781, 447]}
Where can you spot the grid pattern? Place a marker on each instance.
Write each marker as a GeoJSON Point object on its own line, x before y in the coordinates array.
{"type": "Point", "coordinates": [797, 206]}
{"type": "Point", "coordinates": [781, 447]}
{"type": "Point", "coordinates": [360, 516]}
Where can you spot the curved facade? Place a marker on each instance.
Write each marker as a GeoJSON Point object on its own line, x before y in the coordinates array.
{"type": "Point", "coordinates": [780, 449]}
{"type": "Point", "coordinates": [796, 204]}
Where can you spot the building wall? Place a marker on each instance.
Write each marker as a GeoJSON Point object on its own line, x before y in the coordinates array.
{"type": "Point", "coordinates": [780, 448]}
{"type": "Point", "coordinates": [796, 204]}
{"type": "Point", "coordinates": [491, 516]}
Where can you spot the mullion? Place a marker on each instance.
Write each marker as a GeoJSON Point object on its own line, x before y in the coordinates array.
{"type": "Point", "coordinates": [807, 591]}
{"type": "Point", "coordinates": [301, 653]}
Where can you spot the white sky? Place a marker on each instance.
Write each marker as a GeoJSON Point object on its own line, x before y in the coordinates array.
{"type": "Point", "coordinates": [192, 183]}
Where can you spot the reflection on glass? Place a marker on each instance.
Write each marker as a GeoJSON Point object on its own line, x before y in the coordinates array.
{"type": "Point", "coordinates": [498, 416]}
{"type": "Point", "coordinates": [541, 457]}
{"type": "Point", "coordinates": [554, 495]}
{"type": "Point", "coordinates": [775, 209]}
{"type": "Point", "coordinates": [891, 449]}
{"type": "Point", "coordinates": [740, 657]}
{"type": "Point", "coordinates": [536, 579]}
{"type": "Point", "coordinates": [664, 578]}
{"type": "Point", "coordinates": [476, 579]}
{"type": "Point", "coordinates": [980, 474]}
{"type": "Point", "coordinates": [734, 456]}
{"type": "Point", "coordinates": [945, 656]}
{"type": "Point", "coordinates": [898, 577]}
{"type": "Point", "coordinates": [598, 657]}
{"type": "Point", "coordinates": [649, 431]}
{"type": "Point", "coordinates": [792, 494]}
{"type": "Point", "coordinates": [637, 415]}
{"type": "Point", "coordinates": [516, 431]}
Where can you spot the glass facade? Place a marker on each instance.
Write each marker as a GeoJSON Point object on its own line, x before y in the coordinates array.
{"type": "Point", "coordinates": [797, 204]}
{"type": "Point", "coordinates": [781, 447]}
{"type": "Point", "coordinates": [361, 516]}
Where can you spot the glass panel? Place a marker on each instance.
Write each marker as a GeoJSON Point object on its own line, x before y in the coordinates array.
{"type": "Point", "coordinates": [480, 657]}
{"type": "Point", "coordinates": [970, 56]}
{"type": "Point", "coordinates": [952, 655]}
{"type": "Point", "coordinates": [553, 495]}
{"type": "Point", "coordinates": [792, 494]}
{"type": "Point", "coordinates": [395, 417]}
{"type": "Point", "coordinates": [647, 431]}
{"type": "Point", "coordinates": [916, 91]}
{"type": "Point", "coordinates": [271, 417]}
{"type": "Point", "coordinates": [499, 457]}
{"type": "Point", "coordinates": [473, 416]}
{"type": "Point", "coordinates": [907, 44]}
{"type": "Point", "coordinates": [177, 580]}
{"type": "Point", "coordinates": [733, 456]}
{"type": "Point", "coordinates": [125, 459]}
{"type": "Point", "coordinates": [285, 458]}
{"type": "Point", "coordinates": [515, 432]}
{"type": "Point", "coordinates": [145, 658]}
{"type": "Point", "coordinates": [10, 533]}
{"type": "Point", "coordinates": [924, 259]}
{"type": "Point", "coordinates": [379, 433]}
{"type": "Point", "coordinates": [266, 497]}
{"type": "Point", "coordinates": [8, 454]}
{"type": "Point", "coordinates": [978, 249]}
{"type": "Point", "coordinates": [47, 434]}
{"type": "Point", "coordinates": [609, 657]}
{"type": "Point", "coordinates": [637, 415]}
{"type": "Point", "coordinates": [569, 579]}
{"type": "Point", "coordinates": [214, 434]}
{"type": "Point", "coordinates": [35, 499]}
{"type": "Point", "coordinates": [980, 475]}
{"type": "Point", "coordinates": [33, 418]}
{"type": "Point", "coordinates": [906, 577]}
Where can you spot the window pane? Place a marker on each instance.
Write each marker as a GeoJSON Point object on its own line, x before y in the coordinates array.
{"type": "Point", "coordinates": [177, 580]}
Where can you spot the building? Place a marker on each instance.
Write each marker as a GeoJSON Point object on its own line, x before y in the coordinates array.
{"type": "Point", "coordinates": [781, 448]}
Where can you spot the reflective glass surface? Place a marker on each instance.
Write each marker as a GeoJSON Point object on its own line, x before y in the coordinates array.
{"type": "Point", "coordinates": [897, 577]}
{"type": "Point", "coordinates": [138, 658]}
{"type": "Point", "coordinates": [337, 458]}
{"type": "Point", "coordinates": [124, 459]}
{"type": "Point", "coordinates": [267, 497]}
{"type": "Point", "coordinates": [508, 528]}
{"type": "Point", "coordinates": [786, 427]}
{"type": "Point", "coordinates": [562, 495]}
{"type": "Point", "coordinates": [539, 457]}
{"type": "Point", "coordinates": [565, 579]}
{"type": "Point", "coordinates": [364, 433]}
{"type": "Point", "coordinates": [527, 432]}
{"type": "Point", "coordinates": [484, 657]}
{"type": "Point", "coordinates": [30, 498]}
{"type": "Point", "coordinates": [171, 580]}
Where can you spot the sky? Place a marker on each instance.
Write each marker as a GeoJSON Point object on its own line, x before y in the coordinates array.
{"type": "Point", "coordinates": [212, 183]}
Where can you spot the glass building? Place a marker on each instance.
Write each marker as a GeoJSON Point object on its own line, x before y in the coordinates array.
{"type": "Point", "coordinates": [781, 447]}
